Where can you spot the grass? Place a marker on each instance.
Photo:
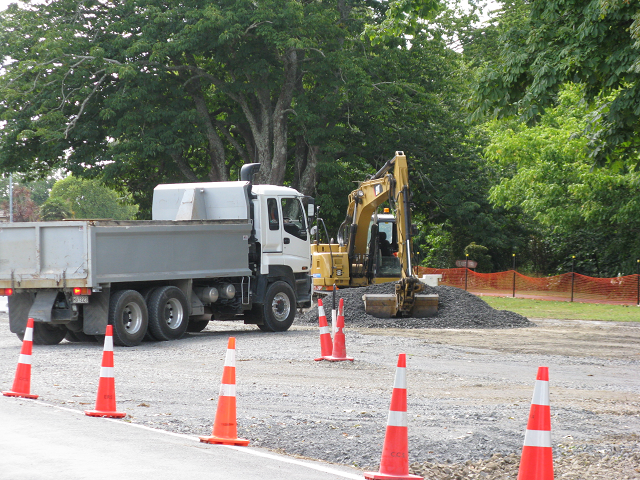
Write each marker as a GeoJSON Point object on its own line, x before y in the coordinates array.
{"type": "Point", "coordinates": [566, 310]}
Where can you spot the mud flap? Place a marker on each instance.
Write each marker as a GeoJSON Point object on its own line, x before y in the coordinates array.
{"type": "Point", "coordinates": [19, 306]}
{"type": "Point", "coordinates": [43, 304]}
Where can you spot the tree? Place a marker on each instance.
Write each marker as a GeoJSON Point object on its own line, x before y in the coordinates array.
{"type": "Point", "coordinates": [24, 208]}
{"type": "Point", "coordinates": [171, 90]}
{"type": "Point", "coordinates": [569, 208]}
{"type": "Point", "coordinates": [87, 199]}
{"type": "Point", "coordinates": [55, 209]}
{"type": "Point", "coordinates": [593, 43]}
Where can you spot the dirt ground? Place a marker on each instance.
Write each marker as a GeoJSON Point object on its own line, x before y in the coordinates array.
{"type": "Point", "coordinates": [469, 392]}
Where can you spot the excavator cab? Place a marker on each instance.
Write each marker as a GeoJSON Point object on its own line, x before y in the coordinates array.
{"type": "Point", "coordinates": [383, 248]}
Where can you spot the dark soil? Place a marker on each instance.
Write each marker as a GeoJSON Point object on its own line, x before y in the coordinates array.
{"type": "Point", "coordinates": [456, 309]}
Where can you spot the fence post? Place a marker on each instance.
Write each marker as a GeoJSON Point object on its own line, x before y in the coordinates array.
{"type": "Point", "coordinates": [573, 275]}
{"type": "Point", "coordinates": [514, 275]}
{"type": "Point", "coordinates": [638, 279]}
{"type": "Point", "coordinates": [466, 271]}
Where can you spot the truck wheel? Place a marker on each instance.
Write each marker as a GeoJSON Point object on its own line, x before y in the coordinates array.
{"type": "Point", "coordinates": [279, 307]}
{"type": "Point", "coordinates": [146, 294]}
{"type": "Point", "coordinates": [196, 326]}
{"type": "Point", "coordinates": [46, 334]}
{"type": "Point", "coordinates": [168, 313]}
{"type": "Point", "coordinates": [129, 317]}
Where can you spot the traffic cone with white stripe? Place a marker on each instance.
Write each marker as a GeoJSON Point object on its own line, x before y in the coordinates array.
{"type": "Point", "coordinates": [339, 351]}
{"type": "Point", "coordinates": [326, 346]}
{"type": "Point", "coordinates": [536, 462]}
{"type": "Point", "coordinates": [106, 398]}
{"type": "Point", "coordinates": [394, 464]}
{"type": "Point", "coordinates": [22, 381]}
{"type": "Point", "coordinates": [225, 428]}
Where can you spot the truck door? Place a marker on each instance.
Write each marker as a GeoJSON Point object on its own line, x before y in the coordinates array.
{"type": "Point", "coordinates": [272, 231]}
{"type": "Point", "coordinates": [295, 234]}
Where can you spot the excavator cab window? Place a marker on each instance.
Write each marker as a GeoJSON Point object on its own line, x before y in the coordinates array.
{"type": "Point", "coordinates": [388, 265]}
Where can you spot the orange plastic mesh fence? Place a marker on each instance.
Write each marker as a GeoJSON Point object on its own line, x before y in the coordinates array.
{"type": "Point", "coordinates": [616, 290]}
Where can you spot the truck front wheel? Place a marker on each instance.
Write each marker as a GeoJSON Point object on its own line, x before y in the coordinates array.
{"type": "Point", "coordinates": [279, 308]}
{"type": "Point", "coordinates": [168, 313]}
{"type": "Point", "coordinates": [129, 317]}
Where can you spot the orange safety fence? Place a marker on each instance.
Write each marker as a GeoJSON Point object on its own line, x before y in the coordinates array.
{"type": "Point", "coordinates": [624, 290]}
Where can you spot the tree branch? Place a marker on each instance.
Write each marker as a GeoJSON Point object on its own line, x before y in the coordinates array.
{"type": "Point", "coordinates": [84, 103]}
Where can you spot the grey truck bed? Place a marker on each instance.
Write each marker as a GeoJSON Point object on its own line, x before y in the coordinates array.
{"type": "Point", "coordinates": [86, 253]}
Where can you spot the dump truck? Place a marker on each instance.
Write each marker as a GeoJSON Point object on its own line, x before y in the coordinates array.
{"type": "Point", "coordinates": [218, 250]}
{"type": "Point", "coordinates": [376, 247]}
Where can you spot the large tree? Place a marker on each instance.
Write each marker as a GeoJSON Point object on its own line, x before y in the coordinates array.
{"type": "Point", "coordinates": [545, 44]}
{"type": "Point", "coordinates": [570, 208]}
{"type": "Point", "coordinates": [174, 90]}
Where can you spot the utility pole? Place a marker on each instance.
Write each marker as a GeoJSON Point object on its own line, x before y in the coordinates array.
{"type": "Point", "coordinates": [11, 198]}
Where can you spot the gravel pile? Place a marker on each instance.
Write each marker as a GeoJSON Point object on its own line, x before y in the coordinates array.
{"type": "Point", "coordinates": [621, 463]}
{"type": "Point", "coordinates": [456, 309]}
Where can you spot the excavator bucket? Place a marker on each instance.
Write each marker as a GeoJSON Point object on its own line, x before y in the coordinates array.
{"type": "Point", "coordinates": [380, 305]}
{"type": "Point", "coordinates": [386, 306]}
{"type": "Point", "coordinates": [425, 306]}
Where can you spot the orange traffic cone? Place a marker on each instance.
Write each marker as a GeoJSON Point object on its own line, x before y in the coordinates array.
{"type": "Point", "coordinates": [325, 334]}
{"type": "Point", "coordinates": [339, 353]}
{"type": "Point", "coordinates": [106, 398]}
{"type": "Point", "coordinates": [22, 381]}
{"type": "Point", "coordinates": [537, 454]}
{"type": "Point", "coordinates": [225, 428]}
{"type": "Point", "coordinates": [394, 464]}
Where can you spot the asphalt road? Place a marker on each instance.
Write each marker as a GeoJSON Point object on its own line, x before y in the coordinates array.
{"type": "Point", "coordinates": [42, 441]}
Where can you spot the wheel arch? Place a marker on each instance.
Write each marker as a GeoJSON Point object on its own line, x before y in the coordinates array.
{"type": "Point", "coordinates": [276, 273]}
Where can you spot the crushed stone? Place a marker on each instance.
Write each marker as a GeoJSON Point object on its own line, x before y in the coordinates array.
{"type": "Point", "coordinates": [457, 308]}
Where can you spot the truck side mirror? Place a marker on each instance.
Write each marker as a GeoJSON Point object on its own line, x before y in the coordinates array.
{"type": "Point", "coordinates": [314, 230]}
{"type": "Point", "coordinates": [311, 207]}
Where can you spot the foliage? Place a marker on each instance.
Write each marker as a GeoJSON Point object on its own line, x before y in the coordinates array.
{"type": "Point", "coordinates": [479, 254]}
{"type": "Point", "coordinates": [593, 43]}
{"type": "Point", "coordinates": [55, 208]}
{"type": "Point", "coordinates": [24, 208]}
{"type": "Point", "coordinates": [39, 187]}
{"type": "Point", "coordinates": [433, 246]}
{"type": "Point", "coordinates": [88, 199]}
{"type": "Point", "coordinates": [153, 91]}
{"type": "Point", "coordinates": [571, 208]}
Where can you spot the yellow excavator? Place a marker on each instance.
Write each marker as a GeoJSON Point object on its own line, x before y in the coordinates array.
{"type": "Point", "coordinates": [376, 247]}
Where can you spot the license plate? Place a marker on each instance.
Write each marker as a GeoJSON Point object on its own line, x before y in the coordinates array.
{"type": "Point", "coordinates": [80, 299]}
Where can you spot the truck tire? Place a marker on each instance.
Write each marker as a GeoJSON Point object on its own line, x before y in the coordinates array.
{"type": "Point", "coordinates": [279, 308]}
{"type": "Point", "coordinates": [129, 317]}
{"type": "Point", "coordinates": [196, 326]}
{"type": "Point", "coordinates": [146, 294]}
{"type": "Point", "coordinates": [46, 333]}
{"type": "Point", "coordinates": [168, 313]}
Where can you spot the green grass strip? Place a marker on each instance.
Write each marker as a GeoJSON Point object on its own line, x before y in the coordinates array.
{"type": "Point", "coordinates": [565, 310]}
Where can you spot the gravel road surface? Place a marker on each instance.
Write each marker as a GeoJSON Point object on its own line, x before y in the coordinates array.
{"type": "Point", "coordinates": [469, 392]}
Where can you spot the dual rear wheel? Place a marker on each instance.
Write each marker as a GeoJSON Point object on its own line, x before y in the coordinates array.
{"type": "Point", "coordinates": [164, 315]}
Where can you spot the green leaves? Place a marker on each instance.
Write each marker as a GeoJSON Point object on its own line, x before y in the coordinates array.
{"type": "Point", "coordinates": [547, 175]}
{"type": "Point", "coordinates": [593, 43]}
